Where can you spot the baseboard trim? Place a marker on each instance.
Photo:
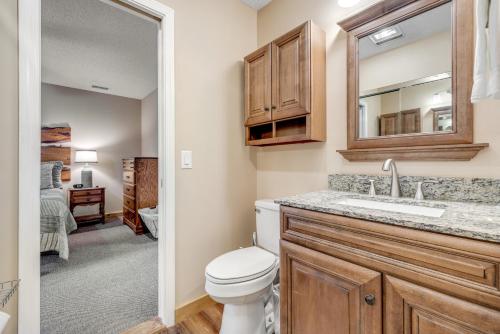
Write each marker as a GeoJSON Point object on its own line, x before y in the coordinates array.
{"type": "Point", "coordinates": [193, 307]}
{"type": "Point", "coordinates": [113, 214]}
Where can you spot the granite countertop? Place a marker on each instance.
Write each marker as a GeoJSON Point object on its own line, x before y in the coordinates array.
{"type": "Point", "coordinates": [470, 220]}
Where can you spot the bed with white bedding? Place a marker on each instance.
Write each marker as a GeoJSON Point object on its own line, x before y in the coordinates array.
{"type": "Point", "coordinates": [56, 222]}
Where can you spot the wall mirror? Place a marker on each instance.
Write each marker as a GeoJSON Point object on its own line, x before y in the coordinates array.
{"type": "Point", "coordinates": [404, 73]}
{"type": "Point", "coordinates": [409, 65]}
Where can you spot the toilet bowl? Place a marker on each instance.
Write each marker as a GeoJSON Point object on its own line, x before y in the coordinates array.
{"type": "Point", "coordinates": [242, 280]}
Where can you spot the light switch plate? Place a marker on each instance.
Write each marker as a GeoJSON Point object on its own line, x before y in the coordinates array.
{"type": "Point", "coordinates": [186, 159]}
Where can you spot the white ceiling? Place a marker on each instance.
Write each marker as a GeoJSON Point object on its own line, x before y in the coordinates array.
{"type": "Point", "coordinates": [88, 42]}
{"type": "Point", "coordinates": [256, 4]}
{"type": "Point", "coordinates": [418, 27]}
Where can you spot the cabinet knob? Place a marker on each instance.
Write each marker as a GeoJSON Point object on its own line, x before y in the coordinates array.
{"type": "Point", "coordinates": [273, 107]}
{"type": "Point", "coordinates": [370, 299]}
{"type": "Point", "coordinates": [266, 109]}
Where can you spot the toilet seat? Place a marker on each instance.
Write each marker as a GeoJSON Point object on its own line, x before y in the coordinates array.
{"type": "Point", "coordinates": [240, 266]}
{"type": "Point", "coordinates": [243, 273]}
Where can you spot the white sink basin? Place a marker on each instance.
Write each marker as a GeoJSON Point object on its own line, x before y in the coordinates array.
{"type": "Point", "coordinates": [394, 207]}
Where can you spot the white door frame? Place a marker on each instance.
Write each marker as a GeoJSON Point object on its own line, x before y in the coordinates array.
{"type": "Point", "coordinates": [29, 161]}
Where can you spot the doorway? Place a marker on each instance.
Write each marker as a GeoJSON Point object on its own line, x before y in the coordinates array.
{"type": "Point", "coordinates": [29, 158]}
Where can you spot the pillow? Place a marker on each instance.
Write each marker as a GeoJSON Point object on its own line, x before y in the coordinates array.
{"type": "Point", "coordinates": [46, 176]}
{"type": "Point", "coordinates": [56, 173]}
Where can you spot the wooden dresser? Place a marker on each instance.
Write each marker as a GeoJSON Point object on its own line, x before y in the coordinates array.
{"type": "Point", "coordinates": [140, 189]}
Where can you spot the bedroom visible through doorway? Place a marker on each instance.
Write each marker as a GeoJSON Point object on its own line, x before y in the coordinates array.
{"type": "Point", "coordinates": [99, 177]}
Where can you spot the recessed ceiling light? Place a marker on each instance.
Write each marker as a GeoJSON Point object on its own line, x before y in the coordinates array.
{"type": "Point", "coordinates": [386, 35]}
{"type": "Point", "coordinates": [347, 3]}
{"type": "Point", "coordinates": [256, 4]}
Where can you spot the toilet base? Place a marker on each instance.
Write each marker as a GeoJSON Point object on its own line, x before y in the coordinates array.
{"type": "Point", "coordinates": [244, 318]}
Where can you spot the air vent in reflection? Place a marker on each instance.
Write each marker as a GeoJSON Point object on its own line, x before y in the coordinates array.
{"type": "Point", "coordinates": [100, 87]}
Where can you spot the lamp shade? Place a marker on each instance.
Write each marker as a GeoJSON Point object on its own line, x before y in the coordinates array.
{"type": "Point", "coordinates": [86, 156]}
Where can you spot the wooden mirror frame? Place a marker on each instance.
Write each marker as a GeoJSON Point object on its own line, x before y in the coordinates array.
{"type": "Point", "coordinates": [455, 145]}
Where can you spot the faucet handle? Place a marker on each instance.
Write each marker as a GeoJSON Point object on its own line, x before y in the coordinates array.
{"type": "Point", "coordinates": [419, 195]}
{"type": "Point", "coordinates": [372, 188]}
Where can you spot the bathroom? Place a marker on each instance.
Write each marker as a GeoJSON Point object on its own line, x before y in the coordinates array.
{"type": "Point", "coordinates": [228, 177]}
{"type": "Point", "coordinates": [357, 257]}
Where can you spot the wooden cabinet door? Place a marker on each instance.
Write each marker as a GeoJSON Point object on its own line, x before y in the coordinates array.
{"type": "Point", "coordinates": [389, 124]}
{"type": "Point", "coordinates": [321, 294]}
{"type": "Point", "coordinates": [410, 121]}
{"type": "Point", "coordinates": [291, 83]}
{"type": "Point", "coordinates": [412, 309]}
{"type": "Point", "coordinates": [258, 86]}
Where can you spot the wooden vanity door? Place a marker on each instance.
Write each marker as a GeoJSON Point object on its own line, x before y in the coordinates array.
{"type": "Point", "coordinates": [321, 294]}
{"type": "Point", "coordinates": [412, 309]}
{"type": "Point", "coordinates": [291, 74]}
{"type": "Point", "coordinates": [258, 86]}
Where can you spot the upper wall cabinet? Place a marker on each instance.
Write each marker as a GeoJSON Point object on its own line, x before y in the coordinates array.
{"type": "Point", "coordinates": [409, 79]}
{"type": "Point", "coordinates": [285, 89]}
{"type": "Point", "coordinates": [258, 86]}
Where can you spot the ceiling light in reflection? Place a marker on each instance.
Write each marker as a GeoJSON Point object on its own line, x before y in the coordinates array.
{"type": "Point", "coordinates": [436, 98]}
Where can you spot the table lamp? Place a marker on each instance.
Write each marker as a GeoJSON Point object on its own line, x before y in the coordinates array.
{"type": "Point", "coordinates": [87, 156]}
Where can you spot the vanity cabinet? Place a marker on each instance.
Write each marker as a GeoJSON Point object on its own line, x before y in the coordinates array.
{"type": "Point", "coordinates": [346, 275]}
{"type": "Point", "coordinates": [327, 295]}
{"type": "Point", "coordinates": [411, 308]}
{"type": "Point", "coordinates": [285, 98]}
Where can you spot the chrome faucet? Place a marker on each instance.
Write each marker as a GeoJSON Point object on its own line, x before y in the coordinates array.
{"type": "Point", "coordinates": [390, 164]}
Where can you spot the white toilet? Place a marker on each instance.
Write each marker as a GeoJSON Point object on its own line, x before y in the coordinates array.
{"type": "Point", "coordinates": [242, 279]}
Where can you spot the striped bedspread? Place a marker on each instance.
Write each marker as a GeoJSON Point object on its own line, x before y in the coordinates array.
{"type": "Point", "coordinates": [56, 222]}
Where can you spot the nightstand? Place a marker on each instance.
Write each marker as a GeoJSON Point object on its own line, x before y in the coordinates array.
{"type": "Point", "coordinates": [86, 197]}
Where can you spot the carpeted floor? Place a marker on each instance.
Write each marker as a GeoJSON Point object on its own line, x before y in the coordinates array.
{"type": "Point", "coordinates": [109, 283]}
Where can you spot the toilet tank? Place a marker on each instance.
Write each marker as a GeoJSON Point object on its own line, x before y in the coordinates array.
{"type": "Point", "coordinates": [268, 225]}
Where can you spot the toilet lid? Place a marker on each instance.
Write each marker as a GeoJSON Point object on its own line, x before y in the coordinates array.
{"type": "Point", "coordinates": [241, 265]}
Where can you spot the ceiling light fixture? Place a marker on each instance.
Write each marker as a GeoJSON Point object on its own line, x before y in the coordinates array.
{"type": "Point", "coordinates": [347, 3]}
{"type": "Point", "coordinates": [386, 35]}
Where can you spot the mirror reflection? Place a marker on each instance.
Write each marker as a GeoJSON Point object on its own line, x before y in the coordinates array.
{"type": "Point", "coordinates": [405, 77]}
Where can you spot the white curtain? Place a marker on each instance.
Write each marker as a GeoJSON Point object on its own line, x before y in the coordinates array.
{"type": "Point", "coordinates": [487, 53]}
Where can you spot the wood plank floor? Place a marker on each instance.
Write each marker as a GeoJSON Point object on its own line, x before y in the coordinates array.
{"type": "Point", "coordinates": [207, 321]}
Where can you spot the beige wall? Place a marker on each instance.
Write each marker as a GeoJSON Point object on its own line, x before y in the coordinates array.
{"type": "Point", "coordinates": [290, 169]}
{"type": "Point", "coordinates": [109, 124]}
{"type": "Point", "coordinates": [214, 206]}
{"type": "Point", "coordinates": [8, 147]}
{"type": "Point", "coordinates": [214, 200]}
{"type": "Point", "coordinates": [149, 125]}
